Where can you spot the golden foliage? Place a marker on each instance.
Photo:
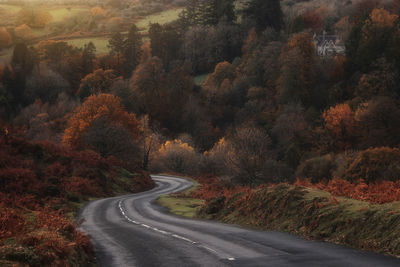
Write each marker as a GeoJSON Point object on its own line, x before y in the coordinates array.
{"type": "Point", "coordinates": [95, 107]}
{"type": "Point", "coordinates": [175, 145]}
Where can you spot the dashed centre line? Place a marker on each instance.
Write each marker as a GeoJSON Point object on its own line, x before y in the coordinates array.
{"type": "Point", "coordinates": [167, 233]}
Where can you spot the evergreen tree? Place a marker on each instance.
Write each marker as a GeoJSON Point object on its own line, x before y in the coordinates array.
{"type": "Point", "coordinates": [165, 43]}
{"type": "Point", "coordinates": [216, 10]}
{"type": "Point", "coordinates": [132, 49]}
{"type": "Point", "coordinates": [116, 45]}
{"type": "Point", "coordinates": [88, 56]}
{"type": "Point", "coordinates": [207, 13]}
{"type": "Point", "coordinates": [264, 13]}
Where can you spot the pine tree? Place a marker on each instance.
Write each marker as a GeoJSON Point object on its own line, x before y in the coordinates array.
{"type": "Point", "coordinates": [265, 13]}
{"type": "Point", "coordinates": [116, 45]}
{"type": "Point", "coordinates": [88, 56]}
{"type": "Point", "coordinates": [216, 10]}
{"type": "Point", "coordinates": [132, 49]}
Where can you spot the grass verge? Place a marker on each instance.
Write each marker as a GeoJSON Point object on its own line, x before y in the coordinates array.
{"type": "Point", "coordinates": [181, 203]}
{"type": "Point", "coordinates": [311, 213]}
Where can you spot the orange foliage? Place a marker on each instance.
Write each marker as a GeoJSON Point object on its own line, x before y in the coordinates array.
{"type": "Point", "coordinates": [340, 122]}
{"type": "Point", "coordinates": [37, 181]}
{"type": "Point", "coordinates": [97, 82]}
{"type": "Point", "coordinates": [380, 17]}
{"type": "Point", "coordinates": [95, 107]}
{"type": "Point", "coordinates": [97, 11]}
{"type": "Point", "coordinates": [379, 192]}
{"type": "Point", "coordinates": [83, 186]}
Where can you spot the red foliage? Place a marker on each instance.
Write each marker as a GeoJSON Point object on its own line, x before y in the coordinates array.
{"type": "Point", "coordinates": [378, 192]}
{"type": "Point", "coordinates": [35, 179]}
{"type": "Point", "coordinates": [83, 187]}
{"type": "Point", "coordinates": [51, 246]}
{"type": "Point", "coordinates": [11, 223]}
{"type": "Point", "coordinates": [212, 188]}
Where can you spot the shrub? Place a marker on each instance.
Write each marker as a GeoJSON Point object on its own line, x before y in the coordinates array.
{"type": "Point", "coordinates": [11, 223]}
{"type": "Point", "coordinates": [176, 156]}
{"type": "Point", "coordinates": [317, 168]}
{"type": "Point", "coordinates": [375, 164]}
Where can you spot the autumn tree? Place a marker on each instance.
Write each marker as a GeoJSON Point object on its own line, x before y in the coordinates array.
{"type": "Point", "coordinates": [299, 73]}
{"type": "Point", "coordinates": [97, 12]}
{"type": "Point", "coordinates": [103, 106]}
{"type": "Point", "coordinates": [248, 154]}
{"type": "Point", "coordinates": [220, 80]}
{"type": "Point", "coordinates": [176, 156]}
{"type": "Point", "coordinates": [110, 139]}
{"type": "Point", "coordinates": [99, 81]}
{"type": "Point", "coordinates": [341, 126]}
{"type": "Point", "coordinates": [146, 84]}
{"type": "Point", "coordinates": [379, 122]}
{"type": "Point", "coordinates": [292, 133]}
{"type": "Point", "coordinates": [372, 38]}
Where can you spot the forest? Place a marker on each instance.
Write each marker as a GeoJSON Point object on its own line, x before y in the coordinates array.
{"type": "Point", "coordinates": [236, 92]}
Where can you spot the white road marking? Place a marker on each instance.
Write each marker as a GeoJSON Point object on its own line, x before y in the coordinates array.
{"type": "Point", "coordinates": [168, 233]}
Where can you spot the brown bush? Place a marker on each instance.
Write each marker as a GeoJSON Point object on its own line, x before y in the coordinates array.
{"type": "Point", "coordinates": [375, 164]}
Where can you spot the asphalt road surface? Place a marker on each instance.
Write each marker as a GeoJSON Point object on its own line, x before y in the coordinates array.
{"type": "Point", "coordinates": [133, 230]}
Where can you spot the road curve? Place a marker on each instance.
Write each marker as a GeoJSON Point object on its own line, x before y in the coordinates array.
{"type": "Point", "coordinates": [132, 230]}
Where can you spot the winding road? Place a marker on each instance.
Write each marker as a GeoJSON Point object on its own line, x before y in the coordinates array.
{"type": "Point", "coordinates": [132, 230]}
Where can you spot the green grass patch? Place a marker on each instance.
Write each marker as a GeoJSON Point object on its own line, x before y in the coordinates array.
{"type": "Point", "coordinates": [161, 18]}
{"type": "Point", "coordinates": [10, 9]}
{"type": "Point", "coordinates": [181, 203]}
{"type": "Point", "coordinates": [61, 14]}
{"type": "Point", "coordinates": [182, 206]}
{"type": "Point", "coordinates": [100, 43]}
{"type": "Point", "coordinates": [200, 79]}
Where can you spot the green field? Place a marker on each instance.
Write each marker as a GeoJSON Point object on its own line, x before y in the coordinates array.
{"type": "Point", "coordinates": [100, 43]}
{"type": "Point", "coordinates": [200, 79]}
{"type": "Point", "coordinates": [60, 14]}
{"type": "Point", "coordinates": [11, 9]}
{"type": "Point", "coordinates": [161, 18]}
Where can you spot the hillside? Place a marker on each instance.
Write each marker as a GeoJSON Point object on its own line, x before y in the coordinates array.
{"type": "Point", "coordinates": [42, 187]}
